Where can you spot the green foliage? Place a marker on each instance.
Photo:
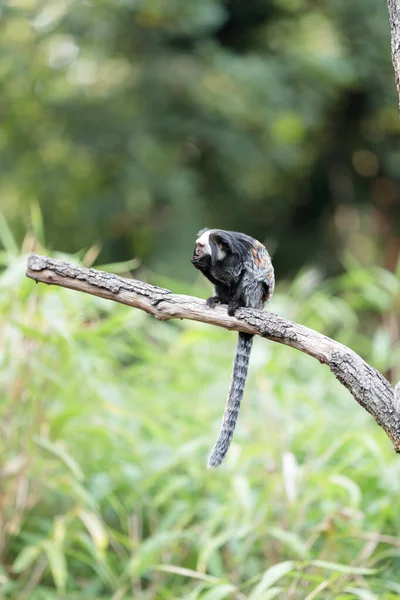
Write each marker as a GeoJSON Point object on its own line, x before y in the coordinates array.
{"type": "Point", "coordinates": [106, 420]}
{"type": "Point", "coordinates": [136, 122]}
{"type": "Point", "coordinates": [130, 124]}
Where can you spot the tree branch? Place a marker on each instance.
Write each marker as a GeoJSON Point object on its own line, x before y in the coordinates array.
{"type": "Point", "coordinates": [371, 390]}
{"type": "Point", "coordinates": [394, 17]}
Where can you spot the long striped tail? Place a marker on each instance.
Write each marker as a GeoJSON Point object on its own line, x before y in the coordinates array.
{"type": "Point", "coordinates": [235, 395]}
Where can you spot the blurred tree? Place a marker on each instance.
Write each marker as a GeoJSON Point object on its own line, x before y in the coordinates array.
{"type": "Point", "coordinates": [136, 122]}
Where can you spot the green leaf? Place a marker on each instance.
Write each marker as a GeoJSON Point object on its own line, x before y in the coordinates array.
{"type": "Point", "coordinates": [26, 557]}
{"type": "Point", "coordinates": [219, 592]}
{"type": "Point", "coordinates": [187, 573]}
{"type": "Point", "coordinates": [349, 569]}
{"type": "Point", "coordinates": [96, 529]}
{"type": "Point", "coordinates": [57, 562]}
{"type": "Point", "coordinates": [361, 593]}
{"type": "Point", "coordinates": [120, 267]}
{"type": "Point", "coordinates": [271, 576]}
{"type": "Point", "coordinates": [59, 451]}
{"type": "Point", "coordinates": [7, 238]}
{"type": "Point", "coordinates": [37, 222]}
{"type": "Point", "coordinates": [210, 546]}
{"type": "Point", "coordinates": [350, 486]}
{"type": "Point", "coordinates": [147, 554]}
{"type": "Point", "coordinates": [291, 540]}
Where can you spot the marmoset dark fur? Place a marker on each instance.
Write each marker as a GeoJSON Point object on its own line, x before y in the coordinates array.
{"type": "Point", "coordinates": [241, 270]}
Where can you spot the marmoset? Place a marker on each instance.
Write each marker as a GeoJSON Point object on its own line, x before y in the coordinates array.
{"type": "Point", "coordinates": [241, 271]}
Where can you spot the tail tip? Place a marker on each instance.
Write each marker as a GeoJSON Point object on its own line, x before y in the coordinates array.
{"type": "Point", "coordinates": [214, 460]}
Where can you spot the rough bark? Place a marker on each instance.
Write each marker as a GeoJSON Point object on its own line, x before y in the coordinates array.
{"type": "Point", "coordinates": [371, 390]}
{"type": "Point", "coordinates": [394, 16]}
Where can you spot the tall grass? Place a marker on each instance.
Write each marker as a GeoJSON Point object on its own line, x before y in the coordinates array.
{"type": "Point", "coordinates": [107, 417]}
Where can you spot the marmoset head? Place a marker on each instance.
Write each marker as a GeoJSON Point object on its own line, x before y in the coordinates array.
{"type": "Point", "coordinates": [210, 247]}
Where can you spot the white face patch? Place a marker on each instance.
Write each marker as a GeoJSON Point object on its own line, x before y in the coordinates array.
{"type": "Point", "coordinates": [204, 242]}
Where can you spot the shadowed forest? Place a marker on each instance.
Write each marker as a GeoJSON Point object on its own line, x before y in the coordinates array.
{"type": "Point", "coordinates": [125, 127]}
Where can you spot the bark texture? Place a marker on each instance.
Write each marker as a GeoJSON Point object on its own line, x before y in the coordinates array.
{"type": "Point", "coordinates": [369, 387]}
{"type": "Point", "coordinates": [394, 17]}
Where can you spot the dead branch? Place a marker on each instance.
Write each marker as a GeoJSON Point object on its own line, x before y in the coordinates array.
{"type": "Point", "coordinates": [394, 17]}
{"type": "Point", "coordinates": [371, 390]}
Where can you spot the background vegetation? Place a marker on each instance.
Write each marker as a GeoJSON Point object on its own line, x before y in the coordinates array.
{"type": "Point", "coordinates": [126, 126]}
{"type": "Point", "coordinates": [107, 418]}
{"type": "Point", "coordinates": [134, 123]}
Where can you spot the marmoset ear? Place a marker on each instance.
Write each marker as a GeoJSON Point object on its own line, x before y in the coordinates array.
{"type": "Point", "coordinates": [222, 239]}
